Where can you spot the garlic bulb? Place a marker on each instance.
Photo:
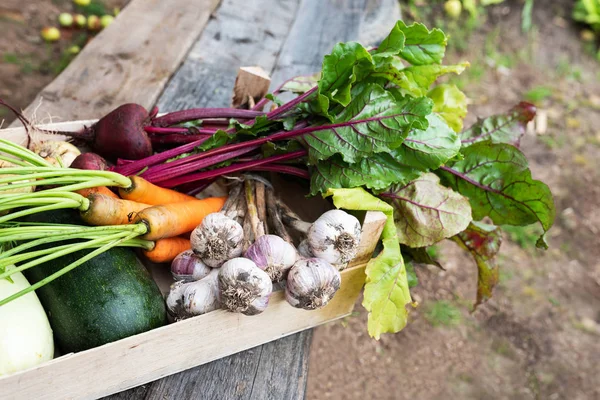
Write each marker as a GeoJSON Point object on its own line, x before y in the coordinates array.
{"type": "Point", "coordinates": [311, 283]}
{"type": "Point", "coordinates": [304, 249]}
{"type": "Point", "coordinates": [55, 152]}
{"type": "Point", "coordinates": [217, 239]}
{"type": "Point", "coordinates": [273, 255]}
{"type": "Point", "coordinates": [188, 267]}
{"type": "Point", "coordinates": [334, 237]}
{"type": "Point", "coordinates": [194, 298]}
{"type": "Point", "coordinates": [243, 287]}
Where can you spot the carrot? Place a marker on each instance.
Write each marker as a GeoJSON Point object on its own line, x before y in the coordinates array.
{"type": "Point", "coordinates": [99, 189]}
{"type": "Point", "coordinates": [171, 220]}
{"type": "Point", "coordinates": [145, 192]}
{"type": "Point", "coordinates": [165, 250]}
{"type": "Point", "coordinates": [105, 210]}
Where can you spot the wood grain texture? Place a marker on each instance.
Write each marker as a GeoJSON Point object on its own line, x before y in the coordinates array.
{"type": "Point", "coordinates": [285, 38]}
{"type": "Point", "coordinates": [130, 61]}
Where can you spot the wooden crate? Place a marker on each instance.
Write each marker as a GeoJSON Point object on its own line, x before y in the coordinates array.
{"type": "Point", "coordinates": [148, 356]}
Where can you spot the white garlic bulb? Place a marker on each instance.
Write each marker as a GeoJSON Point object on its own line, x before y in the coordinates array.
{"type": "Point", "coordinates": [334, 237]}
{"type": "Point", "coordinates": [273, 255]}
{"type": "Point", "coordinates": [188, 267]}
{"type": "Point", "coordinates": [243, 287]}
{"type": "Point", "coordinates": [217, 239]}
{"type": "Point", "coordinates": [311, 283]}
{"type": "Point", "coordinates": [194, 298]}
{"type": "Point", "coordinates": [304, 249]}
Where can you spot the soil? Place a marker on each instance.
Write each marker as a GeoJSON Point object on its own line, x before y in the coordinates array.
{"type": "Point", "coordinates": [539, 336]}
{"type": "Point", "coordinates": [27, 63]}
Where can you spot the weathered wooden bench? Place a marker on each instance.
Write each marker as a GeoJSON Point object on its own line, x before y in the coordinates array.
{"type": "Point", "coordinates": [186, 53]}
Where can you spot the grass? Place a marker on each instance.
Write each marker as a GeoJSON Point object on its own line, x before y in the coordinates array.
{"type": "Point", "coordinates": [538, 94]}
{"type": "Point", "coordinates": [443, 313]}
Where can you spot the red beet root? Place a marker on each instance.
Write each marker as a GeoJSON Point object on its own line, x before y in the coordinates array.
{"type": "Point", "coordinates": [121, 134]}
{"type": "Point", "coordinates": [90, 161]}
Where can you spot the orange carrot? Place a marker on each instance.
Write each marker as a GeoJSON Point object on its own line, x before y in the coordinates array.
{"type": "Point", "coordinates": [105, 210]}
{"type": "Point", "coordinates": [145, 192]}
{"type": "Point", "coordinates": [100, 189]}
{"type": "Point", "coordinates": [165, 250]}
{"type": "Point", "coordinates": [171, 220]}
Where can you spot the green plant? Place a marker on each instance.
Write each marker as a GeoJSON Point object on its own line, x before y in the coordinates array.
{"type": "Point", "coordinates": [538, 94]}
{"type": "Point", "coordinates": [442, 313]}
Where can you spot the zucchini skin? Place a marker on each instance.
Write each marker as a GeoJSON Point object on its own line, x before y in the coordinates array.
{"type": "Point", "coordinates": [108, 298]}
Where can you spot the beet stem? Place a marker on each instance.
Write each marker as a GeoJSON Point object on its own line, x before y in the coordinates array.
{"type": "Point", "coordinates": [283, 169]}
{"type": "Point", "coordinates": [231, 169]}
{"type": "Point", "coordinates": [138, 165]}
{"type": "Point", "coordinates": [166, 174]}
{"type": "Point", "coordinates": [193, 114]}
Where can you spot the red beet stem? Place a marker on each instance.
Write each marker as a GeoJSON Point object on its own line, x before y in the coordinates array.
{"type": "Point", "coordinates": [162, 174]}
{"type": "Point", "coordinates": [192, 189]}
{"type": "Point", "coordinates": [231, 169]}
{"type": "Point", "coordinates": [283, 169]}
{"type": "Point", "coordinates": [175, 139]}
{"type": "Point", "coordinates": [178, 117]}
{"type": "Point", "coordinates": [138, 165]}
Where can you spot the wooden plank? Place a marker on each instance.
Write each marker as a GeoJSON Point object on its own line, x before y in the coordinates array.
{"type": "Point", "coordinates": [258, 37]}
{"type": "Point", "coordinates": [242, 33]}
{"type": "Point", "coordinates": [130, 61]}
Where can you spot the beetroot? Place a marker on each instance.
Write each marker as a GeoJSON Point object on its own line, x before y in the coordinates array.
{"type": "Point", "coordinates": [120, 133]}
{"type": "Point", "coordinates": [90, 161]}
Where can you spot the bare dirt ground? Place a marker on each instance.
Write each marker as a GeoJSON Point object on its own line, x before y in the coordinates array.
{"type": "Point", "coordinates": [539, 337]}
{"type": "Point", "coordinates": [27, 64]}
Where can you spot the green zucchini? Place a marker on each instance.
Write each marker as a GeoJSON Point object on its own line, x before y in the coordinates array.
{"type": "Point", "coordinates": [110, 297]}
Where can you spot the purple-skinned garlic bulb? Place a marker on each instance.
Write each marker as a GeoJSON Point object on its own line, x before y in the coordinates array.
{"type": "Point", "coordinates": [273, 255]}
{"type": "Point", "coordinates": [188, 267]}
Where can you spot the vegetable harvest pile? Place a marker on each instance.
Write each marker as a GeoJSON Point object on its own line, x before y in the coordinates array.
{"type": "Point", "coordinates": [371, 131]}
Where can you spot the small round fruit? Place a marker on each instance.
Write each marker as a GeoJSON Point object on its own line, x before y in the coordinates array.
{"type": "Point", "coordinates": [65, 20]}
{"type": "Point", "coordinates": [453, 8]}
{"type": "Point", "coordinates": [74, 49]}
{"type": "Point", "coordinates": [106, 20]}
{"type": "Point", "coordinates": [587, 35]}
{"type": "Point", "coordinates": [80, 20]}
{"type": "Point", "coordinates": [82, 3]}
{"type": "Point", "coordinates": [50, 34]}
{"type": "Point", "coordinates": [93, 23]}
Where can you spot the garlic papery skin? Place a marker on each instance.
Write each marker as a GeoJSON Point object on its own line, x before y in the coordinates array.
{"type": "Point", "coordinates": [194, 298]}
{"type": "Point", "coordinates": [217, 239]}
{"type": "Point", "coordinates": [273, 255]}
{"type": "Point", "coordinates": [304, 249]}
{"type": "Point", "coordinates": [243, 287]}
{"type": "Point", "coordinates": [188, 267]}
{"type": "Point", "coordinates": [334, 237]}
{"type": "Point", "coordinates": [311, 283]}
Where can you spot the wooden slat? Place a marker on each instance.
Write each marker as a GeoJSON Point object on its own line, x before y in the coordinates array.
{"type": "Point", "coordinates": [285, 38]}
{"type": "Point", "coordinates": [242, 33]}
{"type": "Point", "coordinates": [130, 61]}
